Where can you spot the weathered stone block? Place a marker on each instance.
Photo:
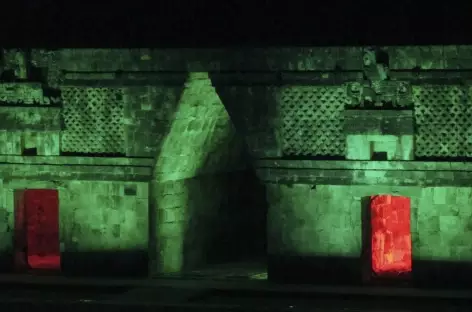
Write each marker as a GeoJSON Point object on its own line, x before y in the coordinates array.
{"type": "Point", "coordinates": [378, 122]}
{"type": "Point", "coordinates": [363, 147]}
{"type": "Point", "coordinates": [48, 143]}
{"type": "Point", "coordinates": [21, 93]}
{"type": "Point", "coordinates": [30, 118]}
{"type": "Point", "coordinates": [11, 143]}
{"type": "Point", "coordinates": [358, 147]}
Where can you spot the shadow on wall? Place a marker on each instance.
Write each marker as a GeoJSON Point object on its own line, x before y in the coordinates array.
{"type": "Point", "coordinates": [222, 221]}
{"type": "Point", "coordinates": [235, 230]}
{"type": "Point", "coordinates": [357, 271]}
{"type": "Point", "coordinates": [210, 207]}
{"type": "Point", "coordinates": [330, 270]}
{"type": "Point", "coordinates": [111, 263]}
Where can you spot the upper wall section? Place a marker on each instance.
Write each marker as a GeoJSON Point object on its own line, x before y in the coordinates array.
{"type": "Point", "coordinates": [269, 59]}
{"type": "Point", "coordinates": [287, 102]}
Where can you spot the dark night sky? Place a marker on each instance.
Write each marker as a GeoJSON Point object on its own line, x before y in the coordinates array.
{"type": "Point", "coordinates": [230, 22]}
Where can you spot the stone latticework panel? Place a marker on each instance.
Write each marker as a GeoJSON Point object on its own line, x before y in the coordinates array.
{"type": "Point", "coordinates": [93, 120]}
{"type": "Point", "coordinates": [443, 116]}
{"type": "Point", "coordinates": [312, 120]}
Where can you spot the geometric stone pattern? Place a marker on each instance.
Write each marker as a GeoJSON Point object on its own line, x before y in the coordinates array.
{"type": "Point", "coordinates": [312, 121]}
{"type": "Point", "coordinates": [443, 117]}
{"type": "Point", "coordinates": [93, 120]}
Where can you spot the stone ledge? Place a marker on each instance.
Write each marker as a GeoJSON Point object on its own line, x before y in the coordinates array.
{"type": "Point", "coordinates": [365, 177]}
{"type": "Point", "coordinates": [75, 172]}
{"type": "Point", "coordinates": [377, 122]}
{"type": "Point", "coordinates": [230, 78]}
{"type": "Point", "coordinates": [257, 78]}
{"type": "Point", "coordinates": [394, 173]}
{"type": "Point", "coordinates": [307, 58]}
{"type": "Point", "coordinates": [363, 165]}
{"type": "Point", "coordinates": [72, 160]}
{"type": "Point", "coordinates": [113, 79]}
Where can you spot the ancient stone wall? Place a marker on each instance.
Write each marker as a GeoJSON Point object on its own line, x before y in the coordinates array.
{"type": "Point", "coordinates": [93, 120]}
{"type": "Point", "coordinates": [289, 102]}
{"type": "Point", "coordinates": [322, 225]}
{"type": "Point", "coordinates": [196, 111]}
{"type": "Point", "coordinates": [453, 57]}
{"type": "Point", "coordinates": [209, 219]}
{"type": "Point", "coordinates": [149, 114]}
{"type": "Point", "coordinates": [184, 127]}
{"type": "Point", "coordinates": [103, 225]}
{"type": "Point", "coordinates": [200, 186]}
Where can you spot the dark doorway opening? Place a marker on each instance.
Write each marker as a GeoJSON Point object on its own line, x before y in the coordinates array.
{"type": "Point", "coordinates": [379, 156]}
{"type": "Point", "coordinates": [387, 238]}
{"type": "Point", "coordinates": [36, 240]}
{"type": "Point", "coordinates": [30, 152]}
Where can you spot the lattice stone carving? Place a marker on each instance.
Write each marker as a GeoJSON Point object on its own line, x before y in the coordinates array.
{"type": "Point", "coordinates": [93, 120]}
{"type": "Point", "coordinates": [312, 120]}
{"type": "Point", "coordinates": [443, 117]}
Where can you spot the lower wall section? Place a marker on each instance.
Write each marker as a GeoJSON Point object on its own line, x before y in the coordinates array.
{"type": "Point", "coordinates": [209, 219]}
{"type": "Point", "coordinates": [317, 233]}
{"type": "Point", "coordinates": [103, 225]}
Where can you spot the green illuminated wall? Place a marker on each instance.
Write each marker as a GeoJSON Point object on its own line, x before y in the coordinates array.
{"type": "Point", "coordinates": [200, 186]}
{"type": "Point", "coordinates": [97, 220]}
{"type": "Point", "coordinates": [201, 192]}
{"type": "Point", "coordinates": [326, 220]}
{"type": "Point", "coordinates": [202, 196]}
{"type": "Point", "coordinates": [313, 222]}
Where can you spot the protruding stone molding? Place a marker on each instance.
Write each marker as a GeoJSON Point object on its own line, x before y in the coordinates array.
{"type": "Point", "coordinates": [73, 160]}
{"type": "Point", "coordinates": [264, 78]}
{"type": "Point", "coordinates": [75, 168]}
{"type": "Point", "coordinates": [75, 172]}
{"type": "Point", "coordinates": [394, 173]}
{"type": "Point", "coordinates": [432, 57]}
{"type": "Point", "coordinates": [123, 79]}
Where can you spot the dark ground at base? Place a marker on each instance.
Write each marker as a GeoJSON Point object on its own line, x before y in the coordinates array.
{"type": "Point", "coordinates": [22, 293]}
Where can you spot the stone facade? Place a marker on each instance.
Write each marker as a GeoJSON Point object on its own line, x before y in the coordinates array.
{"type": "Point", "coordinates": [121, 154]}
{"type": "Point", "coordinates": [324, 128]}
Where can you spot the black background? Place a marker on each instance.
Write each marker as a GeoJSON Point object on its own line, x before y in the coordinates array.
{"type": "Point", "coordinates": [178, 23]}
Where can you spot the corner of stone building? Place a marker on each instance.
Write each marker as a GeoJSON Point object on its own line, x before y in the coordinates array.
{"type": "Point", "coordinates": [197, 177]}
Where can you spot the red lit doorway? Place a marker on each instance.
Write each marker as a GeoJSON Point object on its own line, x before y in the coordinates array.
{"type": "Point", "coordinates": [390, 237]}
{"type": "Point", "coordinates": [37, 230]}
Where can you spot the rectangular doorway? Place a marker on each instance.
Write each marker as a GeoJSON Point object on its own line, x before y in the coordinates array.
{"type": "Point", "coordinates": [390, 237]}
{"type": "Point", "coordinates": [36, 243]}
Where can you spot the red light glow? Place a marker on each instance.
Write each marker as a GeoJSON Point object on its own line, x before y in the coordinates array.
{"type": "Point", "coordinates": [391, 235]}
{"type": "Point", "coordinates": [42, 226]}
